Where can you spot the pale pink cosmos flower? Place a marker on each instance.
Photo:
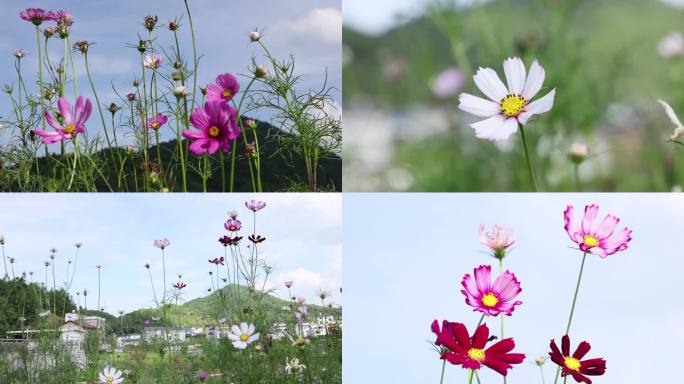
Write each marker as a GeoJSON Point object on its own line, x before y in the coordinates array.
{"type": "Point", "coordinates": [509, 105]}
{"type": "Point", "coordinates": [490, 298]}
{"type": "Point", "coordinates": [499, 240]}
{"type": "Point", "coordinates": [593, 234]}
{"type": "Point", "coordinates": [163, 243]}
{"type": "Point", "coordinates": [671, 45]}
{"type": "Point", "coordinates": [254, 205]}
{"type": "Point", "coordinates": [152, 60]}
{"type": "Point", "coordinates": [36, 15]}
{"type": "Point", "coordinates": [224, 90]}
{"type": "Point", "coordinates": [74, 122]}
{"type": "Point", "coordinates": [448, 82]}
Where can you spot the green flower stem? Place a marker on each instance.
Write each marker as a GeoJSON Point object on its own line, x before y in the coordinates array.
{"type": "Point", "coordinates": [541, 371]}
{"type": "Point", "coordinates": [180, 150]}
{"type": "Point", "coordinates": [205, 172]}
{"type": "Point", "coordinates": [40, 78]}
{"type": "Point", "coordinates": [73, 67]}
{"type": "Point", "coordinates": [441, 379]}
{"type": "Point", "coordinates": [194, 55]}
{"type": "Point", "coordinates": [470, 376]}
{"type": "Point", "coordinates": [501, 316]}
{"type": "Point", "coordinates": [223, 171]}
{"type": "Point", "coordinates": [244, 137]}
{"type": "Point", "coordinates": [73, 170]}
{"type": "Point", "coordinates": [572, 308]}
{"type": "Point", "coordinates": [527, 158]}
{"type": "Point", "coordinates": [143, 116]}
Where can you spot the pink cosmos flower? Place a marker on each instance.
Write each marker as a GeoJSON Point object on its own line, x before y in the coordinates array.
{"type": "Point", "coordinates": [593, 234]}
{"type": "Point", "coordinates": [36, 15]}
{"type": "Point", "coordinates": [157, 122]}
{"type": "Point", "coordinates": [152, 60]}
{"type": "Point", "coordinates": [217, 261]}
{"type": "Point", "coordinates": [63, 18]}
{"type": "Point", "coordinates": [498, 241]}
{"type": "Point", "coordinates": [224, 90]}
{"type": "Point", "coordinates": [233, 225]}
{"type": "Point", "coordinates": [74, 122]}
{"type": "Point", "coordinates": [491, 299]}
{"type": "Point", "coordinates": [218, 126]}
{"type": "Point", "coordinates": [254, 205]}
{"type": "Point", "coordinates": [162, 243]}
{"type": "Point", "coordinates": [448, 83]}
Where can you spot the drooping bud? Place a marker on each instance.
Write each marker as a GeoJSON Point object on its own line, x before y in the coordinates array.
{"type": "Point", "coordinates": [254, 36]}
{"type": "Point", "coordinates": [113, 108]}
{"type": "Point", "coordinates": [260, 71]}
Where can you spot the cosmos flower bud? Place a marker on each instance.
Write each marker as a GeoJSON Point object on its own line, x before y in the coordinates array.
{"type": "Point", "coordinates": [203, 90]}
{"type": "Point", "coordinates": [180, 91]}
{"type": "Point", "coordinates": [260, 71]}
{"type": "Point", "coordinates": [8, 89]}
{"type": "Point", "coordinates": [136, 83]}
{"type": "Point", "coordinates": [250, 124]}
{"type": "Point", "coordinates": [578, 152]}
{"type": "Point", "coordinates": [151, 22]}
{"type": "Point", "coordinates": [142, 46]}
{"type": "Point", "coordinates": [82, 46]}
{"type": "Point", "coordinates": [254, 36]}
{"type": "Point", "coordinates": [131, 97]}
{"type": "Point", "coordinates": [177, 64]}
{"type": "Point", "coordinates": [60, 70]}
{"type": "Point", "coordinates": [176, 76]}
{"type": "Point", "coordinates": [147, 265]}
{"type": "Point", "coordinates": [540, 361]}
{"type": "Point", "coordinates": [78, 244]}
{"type": "Point", "coordinates": [19, 54]}
{"type": "Point", "coordinates": [113, 108]}
{"type": "Point", "coordinates": [2, 240]}
{"type": "Point", "coordinates": [251, 149]}
{"type": "Point", "coordinates": [173, 25]}
{"type": "Point", "coordinates": [131, 150]}
{"type": "Point", "coordinates": [49, 32]}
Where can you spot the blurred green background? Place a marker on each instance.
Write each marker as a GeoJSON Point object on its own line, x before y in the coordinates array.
{"type": "Point", "coordinates": [607, 59]}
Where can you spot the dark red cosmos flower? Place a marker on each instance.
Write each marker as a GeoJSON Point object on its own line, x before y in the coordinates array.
{"type": "Point", "coordinates": [256, 239]}
{"type": "Point", "coordinates": [470, 353]}
{"type": "Point", "coordinates": [180, 285]}
{"type": "Point", "coordinates": [217, 261]}
{"type": "Point", "coordinates": [573, 364]}
{"type": "Point", "coordinates": [227, 240]}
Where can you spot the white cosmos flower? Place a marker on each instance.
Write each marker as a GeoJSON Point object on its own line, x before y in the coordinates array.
{"type": "Point", "coordinates": [294, 366]}
{"type": "Point", "coordinates": [507, 106]}
{"type": "Point", "coordinates": [679, 130]}
{"type": "Point", "coordinates": [243, 335]}
{"type": "Point", "coordinates": [111, 375]}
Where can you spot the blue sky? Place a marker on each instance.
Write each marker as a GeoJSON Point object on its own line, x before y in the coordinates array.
{"type": "Point", "coordinates": [308, 29]}
{"type": "Point", "coordinates": [405, 255]}
{"type": "Point", "coordinates": [303, 243]}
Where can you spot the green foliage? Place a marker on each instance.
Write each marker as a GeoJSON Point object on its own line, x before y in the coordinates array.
{"type": "Point", "coordinates": [21, 299]}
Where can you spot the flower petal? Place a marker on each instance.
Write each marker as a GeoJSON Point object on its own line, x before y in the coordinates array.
{"type": "Point", "coordinates": [535, 80]}
{"type": "Point", "coordinates": [489, 83]}
{"type": "Point", "coordinates": [495, 128]}
{"type": "Point", "coordinates": [538, 107]}
{"type": "Point", "coordinates": [514, 68]}
{"type": "Point", "coordinates": [477, 106]}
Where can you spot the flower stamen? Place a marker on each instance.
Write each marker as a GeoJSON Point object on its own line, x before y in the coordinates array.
{"type": "Point", "coordinates": [214, 131]}
{"type": "Point", "coordinates": [513, 105]}
{"type": "Point", "coordinates": [244, 337]}
{"type": "Point", "coordinates": [490, 300]}
{"type": "Point", "coordinates": [590, 241]}
{"type": "Point", "coordinates": [476, 354]}
{"type": "Point", "coordinates": [572, 364]}
{"type": "Point", "coordinates": [70, 128]}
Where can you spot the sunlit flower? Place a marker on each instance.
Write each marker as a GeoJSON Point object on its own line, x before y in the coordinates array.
{"type": "Point", "coordinates": [491, 299]}
{"type": "Point", "coordinates": [498, 241]}
{"type": "Point", "coordinates": [224, 90]}
{"type": "Point", "coordinates": [255, 205]}
{"type": "Point", "coordinates": [243, 335]}
{"type": "Point", "coordinates": [162, 244]}
{"type": "Point", "coordinates": [111, 375]}
{"type": "Point", "coordinates": [672, 45]}
{"type": "Point", "coordinates": [678, 133]}
{"type": "Point", "coordinates": [593, 234]}
{"type": "Point", "coordinates": [152, 60]}
{"type": "Point", "coordinates": [157, 121]}
{"type": "Point", "coordinates": [507, 106]}
{"type": "Point", "coordinates": [293, 366]}
{"type": "Point", "coordinates": [573, 364]}
{"type": "Point", "coordinates": [470, 353]}
{"type": "Point", "coordinates": [74, 122]}
{"type": "Point", "coordinates": [448, 83]}
{"type": "Point", "coordinates": [36, 15]}
{"type": "Point", "coordinates": [233, 225]}
{"type": "Point", "coordinates": [217, 261]}
{"type": "Point", "coordinates": [217, 124]}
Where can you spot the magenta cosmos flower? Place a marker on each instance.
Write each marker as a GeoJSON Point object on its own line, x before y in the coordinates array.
{"type": "Point", "coordinates": [254, 205]}
{"type": "Point", "coordinates": [470, 353]}
{"type": "Point", "coordinates": [508, 105]}
{"type": "Point", "coordinates": [591, 233]}
{"type": "Point", "coordinates": [157, 121]}
{"type": "Point", "coordinates": [232, 225]}
{"type": "Point", "coordinates": [491, 299]}
{"type": "Point", "coordinates": [224, 90]}
{"type": "Point", "coordinates": [36, 15]}
{"type": "Point", "coordinates": [573, 364]}
{"type": "Point", "coordinates": [217, 124]}
{"type": "Point", "coordinates": [74, 122]}
{"type": "Point", "coordinates": [498, 240]}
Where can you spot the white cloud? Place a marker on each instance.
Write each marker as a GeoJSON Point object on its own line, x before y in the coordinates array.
{"type": "Point", "coordinates": [307, 284]}
{"type": "Point", "coordinates": [322, 24]}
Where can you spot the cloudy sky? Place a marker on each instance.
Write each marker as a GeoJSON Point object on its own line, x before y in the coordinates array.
{"type": "Point", "coordinates": [308, 29]}
{"type": "Point", "coordinates": [303, 240]}
{"type": "Point", "coordinates": [405, 255]}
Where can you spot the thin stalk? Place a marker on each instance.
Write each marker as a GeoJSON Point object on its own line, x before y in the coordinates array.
{"type": "Point", "coordinates": [144, 126]}
{"type": "Point", "coordinates": [73, 170]}
{"type": "Point", "coordinates": [40, 74]}
{"type": "Point", "coordinates": [527, 158]}
{"type": "Point", "coordinates": [502, 318]}
{"type": "Point", "coordinates": [73, 67]}
{"type": "Point", "coordinates": [470, 376]}
{"type": "Point", "coordinates": [4, 259]}
{"type": "Point", "coordinates": [441, 379]}
{"type": "Point", "coordinates": [180, 150]}
{"type": "Point", "coordinates": [223, 171]}
{"type": "Point", "coordinates": [194, 54]}
{"type": "Point", "coordinates": [244, 137]}
{"type": "Point", "coordinates": [164, 274]}
{"type": "Point", "coordinates": [154, 292]}
{"type": "Point", "coordinates": [98, 288]}
{"type": "Point", "coordinates": [572, 308]}
{"type": "Point", "coordinates": [541, 371]}
{"type": "Point", "coordinates": [205, 161]}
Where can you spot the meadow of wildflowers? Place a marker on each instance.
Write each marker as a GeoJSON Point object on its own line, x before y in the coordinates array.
{"type": "Point", "coordinates": [166, 131]}
{"type": "Point", "coordinates": [529, 95]}
{"type": "Point", "coordinates": [240, 331]}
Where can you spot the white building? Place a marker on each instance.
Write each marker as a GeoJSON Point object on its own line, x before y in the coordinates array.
{"type": "Point", "coordinates": [128, 340]}
{"type": "Point", "coordinates": [175, 335]}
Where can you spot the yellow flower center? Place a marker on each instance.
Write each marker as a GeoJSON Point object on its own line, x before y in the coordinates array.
{"type": "Point", "coordinates": [70, 129]}
{"type": "Point", "coordinates": [227, 93]}
{"type": "Point", "coordinates": [490, 300]}
{"type": "Point", "coordinates": [214, 131]}
{"type": "Point", "coordinates": [154, 125]}
{"type": "Point", "coordinates": [110, 379]}
{"type": "Point", "coordinates": [590, 241]}
{"type": "Point", "coordinates": [512, 105]}
{"type": "Point", "coordinates": [244, 337]}
{"type": "Point", "coordinates": [572, 364]}
{"type": "Point", "coordinates": [476, 354]}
